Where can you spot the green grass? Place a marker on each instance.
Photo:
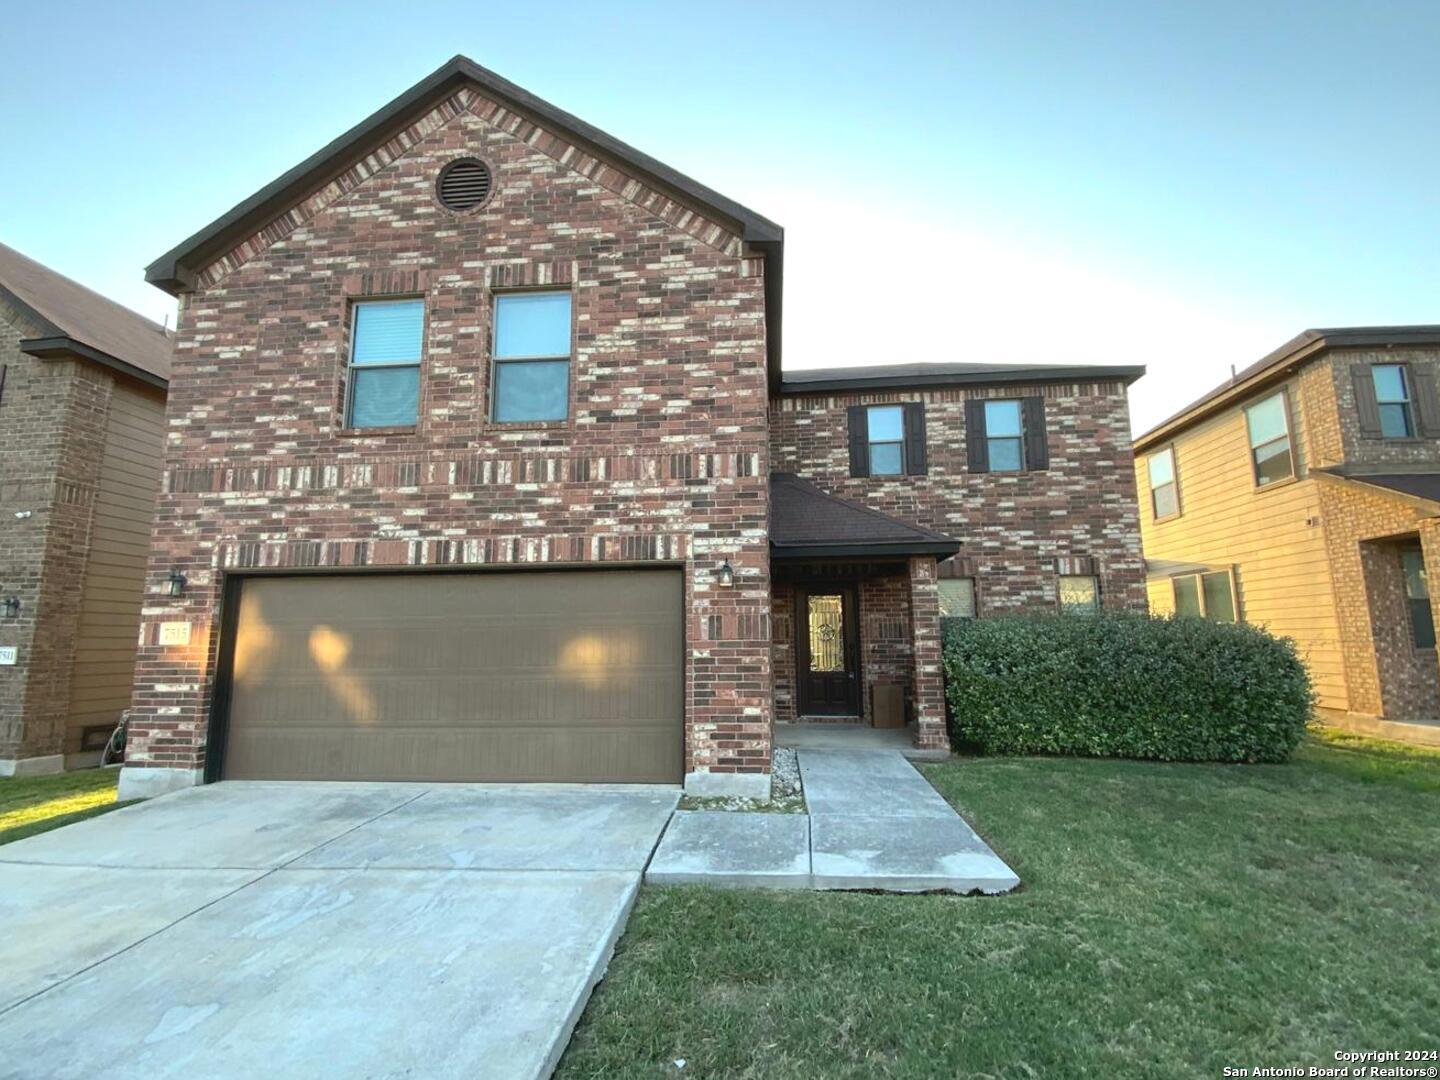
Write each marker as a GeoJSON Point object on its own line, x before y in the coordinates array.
{"type": "Point", "coordinates": [36, 804]}
{"type": "Point", "coordinates": [1174, 919]}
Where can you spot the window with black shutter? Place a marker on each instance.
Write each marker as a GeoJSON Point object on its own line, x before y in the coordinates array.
{"type": "Point", "coordinates": [1006, 435]}
{"type": "Point", "coordinates": [887, 440]}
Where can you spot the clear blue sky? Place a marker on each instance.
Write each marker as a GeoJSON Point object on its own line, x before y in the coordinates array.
{"type": "Point", "coordinates": [1180, 185]}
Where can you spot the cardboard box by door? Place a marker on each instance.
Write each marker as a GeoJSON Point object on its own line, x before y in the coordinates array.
{"type": "Point", "coordinates": [887, 705]}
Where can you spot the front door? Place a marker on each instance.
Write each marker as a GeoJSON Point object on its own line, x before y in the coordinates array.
{"type": "Point", "coordinates": [827, 653]}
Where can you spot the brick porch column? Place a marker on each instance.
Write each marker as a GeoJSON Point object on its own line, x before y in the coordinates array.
{"type": "Point", "coordinates": [929, 676]}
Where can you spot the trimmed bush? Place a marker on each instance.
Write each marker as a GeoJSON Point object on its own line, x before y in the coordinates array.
{"type": "Point", "coordinates": [1125, 685]}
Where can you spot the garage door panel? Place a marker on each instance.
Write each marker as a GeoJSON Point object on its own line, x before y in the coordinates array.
{"type": "Point", "coordinates": [501, 676]}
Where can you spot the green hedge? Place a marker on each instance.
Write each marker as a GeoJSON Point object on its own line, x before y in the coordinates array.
{"type": "Point", "coordinates": [1123, 685]}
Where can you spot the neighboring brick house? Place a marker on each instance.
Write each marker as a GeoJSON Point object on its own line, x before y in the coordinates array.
{"type": "Point", "coordinates": [82, 405]}
{"type": "Point", "coordinates": [1304, 495]}
{"type": "Point", "coordinates": [469, 475]}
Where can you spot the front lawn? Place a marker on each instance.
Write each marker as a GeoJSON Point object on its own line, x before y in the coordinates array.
{"type": "Point", "coordinates": [1175, 919]}
{"type": "Point", "coordinates": [35, 804]}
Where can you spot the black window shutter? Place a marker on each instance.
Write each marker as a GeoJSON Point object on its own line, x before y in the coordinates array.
{"type": "Point", "coordinates": [1037, 441]}
{"type": "Point", "coordinates": [977, 453]}
{"type": "Point", "coordinates": [1427, 406]}
{"type": "Point", "coordinates": [1366, 409]}
{"type": "Point", "coordinates": [859, 441]}
{"type": "Point", "coordinates": [915, 438]}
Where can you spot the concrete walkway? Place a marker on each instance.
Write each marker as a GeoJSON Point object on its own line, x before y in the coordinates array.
{"type": "Point", "coordinates": [873, 823]}
{"type": "Point", "coordinates": [300, 929]}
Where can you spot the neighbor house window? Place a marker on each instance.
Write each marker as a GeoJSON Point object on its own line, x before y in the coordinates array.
{"type": "Point", "coordinates": [957, 598]}
{"type": "Point", "coordinates": [1392, 398]}
{"type": "Point", "coordinates": [885, 426]}
{"type": "Point", "coordinates": [1079, 594]}
{"type": "Point", "coordinates": [1210, 595]}
{"type": "Point", "coordinates": [1004, 442]}
{"type": "Point", "coordinates": [532, 356]}
{"type": "Point", "coordinates": [1417, 596]}
{"type": "Point", "coordinates": [384, 377]}
{"type": "Point", "coordinates": [1164, 494]}
{"type": "Point", "coordinates": [1268, 425]}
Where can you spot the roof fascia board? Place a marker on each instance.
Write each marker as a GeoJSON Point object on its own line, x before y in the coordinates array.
{"type": "Point", "coordinates": [61, 346]}
{"type": "Point", "coordinates": [811, 551]}
{"type": "Point", "coordinates": [46, 327]}
{"type": "Point", "coordinates": [1127, 374]}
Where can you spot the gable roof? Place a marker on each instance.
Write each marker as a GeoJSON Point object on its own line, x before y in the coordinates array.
{"type": "Point", "coordinates": [1281, 362]}
{"type": "Point", "coordinates": [886, 376]}
{"type": "Point", "coordinates": [806, 522]}
{"type": "Point", "coordinates": [176, 270]}
{"type": "Point", "coordinates": [76, 321]}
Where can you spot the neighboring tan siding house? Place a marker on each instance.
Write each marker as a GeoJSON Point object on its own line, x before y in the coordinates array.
{"type": "Point", "coordinates": [1303, 496]}
{"type": "Point", "coordinates": [82, 403]}
{"type": "Point", "coordinates": [480, 466]}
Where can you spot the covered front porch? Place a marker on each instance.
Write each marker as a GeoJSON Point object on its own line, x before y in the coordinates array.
{"type": "Point", "coordinates": [856, 623]}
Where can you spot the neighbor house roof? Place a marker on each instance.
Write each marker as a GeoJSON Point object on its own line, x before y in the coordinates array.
{"type": "Point", "coordinates": [176, 270]}
{"type": "Point", "coordinates": [76, 321]}
{"type": "Point", "coordinates": [885, 376]}
{"type": "Point", "coordinates": [807, 522]}
{"type": "Point", "coordinates": [1281, 363]}
{"type": "Point", "coordinates": [1418, 484]}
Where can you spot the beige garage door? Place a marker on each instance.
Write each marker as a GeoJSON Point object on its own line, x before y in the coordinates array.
{"type": "Point", "coordinates": [562, 676]}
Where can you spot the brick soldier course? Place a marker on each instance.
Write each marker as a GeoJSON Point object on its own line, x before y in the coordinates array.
{"type": "Point", "coordinates": [677, 417]}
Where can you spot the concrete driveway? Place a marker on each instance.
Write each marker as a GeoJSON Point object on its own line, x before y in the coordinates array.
{"type": "Point", "coordinates": [305, 929]}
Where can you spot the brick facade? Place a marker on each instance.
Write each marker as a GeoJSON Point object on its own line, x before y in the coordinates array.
{"type": "Point", "coordinates": [664, 459]}
{"type": "Point", "coordinates": [1013, 526]}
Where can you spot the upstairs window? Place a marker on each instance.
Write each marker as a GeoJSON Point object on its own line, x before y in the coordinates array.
{"type": "Point", "coordinates": [1392, 400]}
{"type": "Point", "coordinates": [1271, 455]}
{"type": "Point", "coordinates": [887, 440]}
{"type": "Point", "coordinates": [532, 357]}
{"type": "Point", "coordinates": [1003, 443]}
{"type": "Point", "coordinates": [1079, 594]}
{"type": "Point", "coordinates": [885, 425]}
{"type": "Point", "coordinates": [1208, 596]}
{"type": "Point", "coordinates": [1164, 492]}
{"type": "Point", "coordinates": [1417, 598]}
{"type": "Point", "coordinates": [384, 375]}
{"type": "Point", "coordinates": [1006, 435]}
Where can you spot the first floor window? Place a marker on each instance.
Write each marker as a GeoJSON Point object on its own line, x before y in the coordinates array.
{"type": "Point", "coordinates": [1004, 442]}
{"type": "Point", "coordinates": [885, 426]}
{"type": "Point", "coordinates": [1210, 595]}
{"type": "Point", "coordinates": [1268, 425]}
{"type": "Point", "coordinates": [1079, 594]}
{"type": "Point", "coordinates": [957, 598]}
{"type": "Point", "coordinates": [384, 376]}
{"type": "Point", "coordinates": [532, 357]}
{"type": "Point", "coordinates": [1417, 597]}
{"type": "Point", "coordinates": [1164, 494]}
{"type": "Point", "coordinates": [1392, 399]}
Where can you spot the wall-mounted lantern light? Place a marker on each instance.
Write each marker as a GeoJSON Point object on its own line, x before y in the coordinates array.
{"type": "Point", "coordinates": [177, 583]}
{"type": "Point", "coordinates": [12, 607]}
{"type": "Point", "coordinates": [725, 576]}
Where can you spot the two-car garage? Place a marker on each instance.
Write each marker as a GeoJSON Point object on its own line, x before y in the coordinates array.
{"type": "Point", "coordinates": [562, 676]}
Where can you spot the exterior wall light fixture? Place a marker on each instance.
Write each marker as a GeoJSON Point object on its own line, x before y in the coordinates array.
{"type": "Point", "coordinates": [12, 607]}
{"type": "Point", "coordinates": [177, 583]}
{"type": "Point", "coordinates": [725, 576]}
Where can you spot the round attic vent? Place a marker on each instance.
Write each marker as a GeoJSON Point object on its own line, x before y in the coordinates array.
{"type": "Point", "coordinates": [464, 184]}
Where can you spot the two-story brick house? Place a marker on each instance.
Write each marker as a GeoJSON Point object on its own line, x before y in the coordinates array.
{"type": "Point", "coordinates": [1304, 495]}
{"type": "Point", "coordinates": [481, 465]}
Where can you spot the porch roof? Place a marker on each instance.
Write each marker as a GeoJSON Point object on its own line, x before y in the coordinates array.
{"type": "Point", "coordinates": [807, 522]}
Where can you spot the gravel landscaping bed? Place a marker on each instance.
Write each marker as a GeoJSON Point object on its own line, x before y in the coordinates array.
{"type": "Point", "coordinates": [785, 794]}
